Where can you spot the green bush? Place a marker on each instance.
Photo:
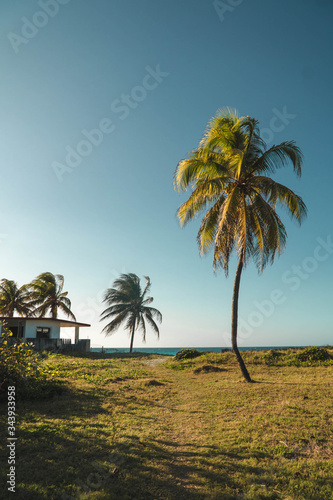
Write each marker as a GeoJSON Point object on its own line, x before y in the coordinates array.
{"type": "Point", "coordinates": [272, 356]}
{"type": "Point", "coordinates": [313, 354]}
{"type": "Point", "coordinates": [21, 366]}
{"type": "Point", "coordinates": [187, 354]}
{"type": "Point", "coordinates": [208, 369]}
{"type": "Point", "coordinates": [18, 361]}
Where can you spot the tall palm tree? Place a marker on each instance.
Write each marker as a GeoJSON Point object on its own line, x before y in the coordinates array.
{"type": "Point", "coordinates": [229, 174]}
{"type": "Point", "coordinates": [13, 298]}
{"type": "Point", "coordinates": [47, 296]}
{"type": "Point", "coordinates": [127, 302]}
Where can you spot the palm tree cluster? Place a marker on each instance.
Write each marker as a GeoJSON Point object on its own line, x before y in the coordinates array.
{"type": "Point", "coordinates": [44, 295]}
{"type": "Point", "coordinates": [229, 176]}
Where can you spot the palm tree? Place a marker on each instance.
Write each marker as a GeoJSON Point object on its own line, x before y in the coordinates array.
{"type": "Point", "coordinates": [47, 296]}
{"type": "Point", "coordinates": [126, 302]}
{"type": "Point", "coordinates": [229, 174]}
{"type": "Point", "coordinates": [13, 298]}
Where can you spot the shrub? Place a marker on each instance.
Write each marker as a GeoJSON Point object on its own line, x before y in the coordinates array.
{"type": "Point", "coordinates": [21, 366]}
{"type": "Point", "coordinates": [313, 354]}
{"type": "Point", "coordinates": [187, 354]}
{"type": "Point", "coordinates": [18, 361]}
{"type": "Point", "coordinates": [217, 358]}
{"type": "Point", "coordinates": [208, 369]}
{"type": "Point", "coordinates": [272, 356]}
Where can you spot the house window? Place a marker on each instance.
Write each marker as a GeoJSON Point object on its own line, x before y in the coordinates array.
{"type": "Point", "coordinates": [42, 333]}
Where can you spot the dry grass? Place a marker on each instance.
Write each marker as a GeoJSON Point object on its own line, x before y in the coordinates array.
{"type": "Point", "coordinates": [137, 428]}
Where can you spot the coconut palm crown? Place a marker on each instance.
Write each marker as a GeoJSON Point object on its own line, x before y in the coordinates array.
{"type": "Point", "coordinates": [229, 175]}
{"type": "Point", "coordinates": [13, 298]}
{"type": "Point", "coordinates": [47, 296]}
{"type": "Point", "coordinates": [128, 304]}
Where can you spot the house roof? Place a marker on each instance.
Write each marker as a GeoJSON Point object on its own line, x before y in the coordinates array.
{"type": "Point", "coordinates": [63, 322]}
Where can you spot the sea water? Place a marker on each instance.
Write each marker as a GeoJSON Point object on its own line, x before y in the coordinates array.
{"type": "Point", "coordinates": [171, 351]}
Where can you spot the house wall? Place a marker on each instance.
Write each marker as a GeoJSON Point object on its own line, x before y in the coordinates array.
{"type": "Point", "coordinates": [31, 325]}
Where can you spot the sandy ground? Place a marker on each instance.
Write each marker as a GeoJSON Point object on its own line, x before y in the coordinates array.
{"type": "Point", "coordinates": [157, 361]}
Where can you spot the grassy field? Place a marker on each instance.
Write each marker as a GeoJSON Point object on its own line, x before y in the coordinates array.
{"type": "Point", "coordinates": [149, 427]}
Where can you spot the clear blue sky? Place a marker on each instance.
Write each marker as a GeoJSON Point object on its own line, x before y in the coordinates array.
{"type": "Point", "coordinates": [150, 74]}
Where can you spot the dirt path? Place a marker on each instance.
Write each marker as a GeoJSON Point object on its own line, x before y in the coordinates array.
{"type": "Point", "coordinates": [157, 361]}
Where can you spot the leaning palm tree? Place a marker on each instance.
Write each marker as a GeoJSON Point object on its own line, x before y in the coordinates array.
{"type": "Point", "coordinates": [13, 298]}
{"type": "Point", "coordinates": [229, 174]}
{"type": "Point", "coordinates": [47, 296]}
{"type": "Point", "coordinates": [127, 302]}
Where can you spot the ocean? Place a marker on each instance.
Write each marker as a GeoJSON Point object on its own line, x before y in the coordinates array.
{"type": "Point", "coordinates": [171, 351]}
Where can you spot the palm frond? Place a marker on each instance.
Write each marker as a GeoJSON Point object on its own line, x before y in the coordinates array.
{"type": "Point", "coordinates": [142, 326]}
{"type": "Point", "coordinates": [147, 287]}
{"type": "Point", "coordinates": [276, 192]}
{"type": "Point", "coordinates": [67, 310]}
{"type": "Point", "coordinates": [228, 177]}
{"type": "Point", "coordinates": [208, 227]}
{"type": "Point", "coordinates": [206, 192]}
{"type": "Point", "coordinates": [277, 157]}
{"type": "Point", "coordinates": [13, 298]}
{"type": "Point", "coordinates": [46, 295]}
{"type": "Point", "coordinates": [115, 310]}
{"type": "Point", "coordinates": [152, 323]}
{"type": "Point", "coordinates": [154, 313]}
{"type": "Point", "coordinates": [128, 302]}
{"type": "Point", "coordinates": [115, 323]}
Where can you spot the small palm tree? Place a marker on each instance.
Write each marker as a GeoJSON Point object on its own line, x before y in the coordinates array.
{"type": "Point", "coordinates": [13, 298]}
{"type": "Point", "coordinates": [229, 174]}
{"type": "Point", "coordinates": [127, 302]}
{"type": "Point", "coordinates": [47, 296]}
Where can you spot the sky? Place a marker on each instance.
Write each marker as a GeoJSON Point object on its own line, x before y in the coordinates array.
{"type": "Point", "coordinates": [101, 100]}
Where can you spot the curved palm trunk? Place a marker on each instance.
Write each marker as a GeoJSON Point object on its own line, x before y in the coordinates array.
{"type": "Point", "coordinates": [132, 337]}
{"type": "Point", "coordinates": [234, 321]}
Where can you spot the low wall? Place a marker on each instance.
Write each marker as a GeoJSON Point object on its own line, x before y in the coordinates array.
{"type": "Point", "coordinates": [58, 345]}
{"type": "Point", "coordinates": [83, 345]}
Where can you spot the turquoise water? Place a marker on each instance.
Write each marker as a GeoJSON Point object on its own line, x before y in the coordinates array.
{"type": "Point", "coordinates": [171, 351]}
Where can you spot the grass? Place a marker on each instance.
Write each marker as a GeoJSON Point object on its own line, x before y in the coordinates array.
{"type": "Point", "coordinates": [134, 428]}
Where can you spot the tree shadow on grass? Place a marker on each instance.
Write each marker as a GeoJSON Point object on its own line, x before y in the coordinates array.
{"type": "Point", "coordinates": [55, 444]}
{"type": "Point", "coordinates": [282, 383]}
{"type": "Point", "coordinates": [159, 469]}
{"type": "Point", "coordinates": [59, 457]}
{"type": "Point", "coordinates": [65, 466]}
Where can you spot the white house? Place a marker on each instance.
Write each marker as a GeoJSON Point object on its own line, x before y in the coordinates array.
{"type": "Point", "coordinates": [44, 332]}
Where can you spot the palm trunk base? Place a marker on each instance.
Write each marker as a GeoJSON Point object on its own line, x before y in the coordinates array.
{"type": "Point", "coordinates": [234, 321]}
{"type": "Point", "coordinates": [242, 366]}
